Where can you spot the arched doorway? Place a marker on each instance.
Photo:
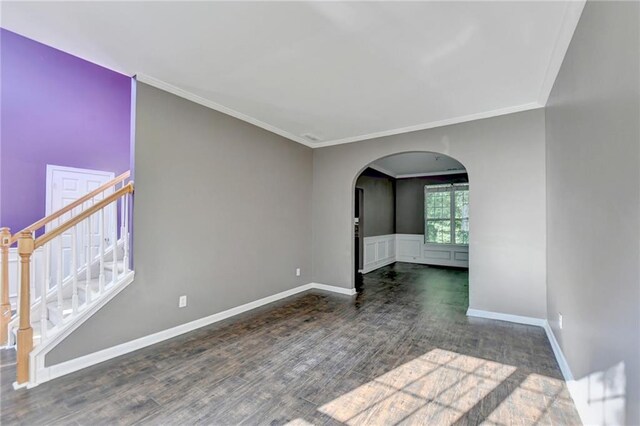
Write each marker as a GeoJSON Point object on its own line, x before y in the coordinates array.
{"type": "Point", "coordinates": [410, 207]}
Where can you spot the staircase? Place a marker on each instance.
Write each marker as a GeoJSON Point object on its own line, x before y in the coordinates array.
{"type": "Point", "coordinates": [64, 275]}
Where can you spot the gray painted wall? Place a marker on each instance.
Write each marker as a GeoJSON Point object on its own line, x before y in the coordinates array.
{"type": "Point", "coordinates": [593, 185]}
{"type": "Point", "coordinates": [379, 203]}
{"type": "Point", "coordinates": [410, 201]}
{"type": "Point", "coordinates": [505, 159]}
{"type": "Point", "coordinates": [222, 214]}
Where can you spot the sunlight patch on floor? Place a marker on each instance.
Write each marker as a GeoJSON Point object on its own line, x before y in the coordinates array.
{"type": "Point", "coordinates": [539, 394]}
{"type": "Point", "coordinates": [437, 387]}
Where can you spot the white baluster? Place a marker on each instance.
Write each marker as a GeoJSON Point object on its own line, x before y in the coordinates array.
{"type": "Point", "coordinates": [18, 281]}
{"type": "Point", "coordinates": [125, 234]}
{"type": "Point", "coordinates": [74, 268]}
{"type": "Point", "coordinates": [87, 289]}
{"type": "Point", "coordinates": [45, 288]}
{"type": "Point", "coordinates": [115, 243]}
{"type": "Point", "coordinates": [122, 219]}
{"type": "Point", "coordinates": [32, 275]}
{"type": "Point", "coordinates": [60, 273]}
{"type": "Point", "coordinates": [102, 237]}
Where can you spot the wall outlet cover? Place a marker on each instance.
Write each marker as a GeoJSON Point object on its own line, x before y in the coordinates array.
{"type": "Point", "coordinates": [560, 320]}
{"type": "Point", "coordinates": [182, 301]}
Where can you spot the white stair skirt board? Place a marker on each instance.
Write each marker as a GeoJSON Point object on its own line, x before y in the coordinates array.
{"type": "Point", "coordinates": [576, 389]}
{"type": "Point", "coordinates": [45, 374]}
{"type": "Point", "coordinates": [38, 372]}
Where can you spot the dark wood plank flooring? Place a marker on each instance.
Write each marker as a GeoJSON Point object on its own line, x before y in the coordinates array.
{"type": "Point", "coordinates": [401, 352]}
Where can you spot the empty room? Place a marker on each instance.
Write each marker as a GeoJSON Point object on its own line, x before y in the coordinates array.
{"type": "Point", "coordinates": [320, 213]}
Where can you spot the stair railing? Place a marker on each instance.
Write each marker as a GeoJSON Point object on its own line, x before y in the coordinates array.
{"type": "Point", "coordinates": [26, 246]}
{"type": "Point", "coordinates": [56, 218]}
{"type": "Point", "coordinates": [85, 215]}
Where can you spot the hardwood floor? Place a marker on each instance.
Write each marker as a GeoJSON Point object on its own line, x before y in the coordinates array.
{"type": "Point", "coordinates": [401, 352]}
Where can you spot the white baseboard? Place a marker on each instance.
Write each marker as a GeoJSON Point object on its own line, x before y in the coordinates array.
{"type": "Point", "coordinates": [581, 403]}
{"type": "Point", "coordinates": [333, 288]}
{"type": "Point", "coordinates": [67, 367]}
{"type": "Point", "coordinates": [562, 361]}
{"type": "Point", "coordinates": [375, 266]}
{"type": "Point", "coordinates": [540, 322]}
{"type": "Point", "coordinates": [574, 387]}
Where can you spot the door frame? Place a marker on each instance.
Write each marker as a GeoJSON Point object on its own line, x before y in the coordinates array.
{"type": "Point", "coordinates": [51, 168]}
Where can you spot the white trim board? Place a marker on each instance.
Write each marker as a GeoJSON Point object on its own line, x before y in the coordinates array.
{"type": "Point", "coordinates": [37, 371]}
{"type": "Point", "coordinates": [562, 361]}
{"type": "Point", "coordinates": [381, 169]}
{"type": "Point", "coordinates": [442, 173]}
{"type": "Point", "coordinates": [394, 175]}
{"type": "Point", "coordinates": [570, 20]}
{"type": "Point", "coordinates": [518, 319]}
{"type": "Point", "coordinates": [67, 367]}
{"type": "Point", "coordinates": [167, 87]}
{"type": "Point", "coordinates": [159, 84]}
{"type": "Point", "coordinates": [577, 395]}
{"type": "Point", "coordinates": [378, 251]}
{"type": "Point", "coordinates": [433, 124]}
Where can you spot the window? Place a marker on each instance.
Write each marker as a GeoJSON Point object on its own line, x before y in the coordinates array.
{"type": "Point", "coordinates": [446, 214]}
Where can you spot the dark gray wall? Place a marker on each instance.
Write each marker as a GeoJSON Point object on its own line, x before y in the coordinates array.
{"type": "Point", "coordinates": [410, 201]}
{"type": "Point", "coordinates": [379, 203]}
{"type": "Point", "coordinates": [222, 214]}
{"type": "Point", "coordinates": [593, 186]}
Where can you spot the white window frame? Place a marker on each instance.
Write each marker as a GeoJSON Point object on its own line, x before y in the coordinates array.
{"type": "Point", "coordinates": [451, 188]}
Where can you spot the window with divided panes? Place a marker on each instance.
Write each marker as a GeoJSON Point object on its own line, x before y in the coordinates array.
{"type": "Point", "coordinates": [446, 214]}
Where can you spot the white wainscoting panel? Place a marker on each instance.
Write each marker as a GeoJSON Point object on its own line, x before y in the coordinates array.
{"type": "Point", "coordinates": [412, 249]}
{"type": "Point", "coordinates": [379, 251]}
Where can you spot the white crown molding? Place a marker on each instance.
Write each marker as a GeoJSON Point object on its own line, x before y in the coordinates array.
{"type": "Point", "coordinates": [45, 374]}
{"type": "Point", "coordinates": [414, 175]}
{"type": "Point", "coordinates": [433, 124]}
{"type": "Point", "coordinates": [382, 170]}
{"type": "Point", "coordinates": [570, 19]}
{"type": "Point", "coordinates": [162, 85]}
{"type": "Point", "coordinates": [443, 173]}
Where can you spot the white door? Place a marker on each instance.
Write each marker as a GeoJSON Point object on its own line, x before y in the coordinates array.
{"type": "Point", "coordinates": [64, 186]}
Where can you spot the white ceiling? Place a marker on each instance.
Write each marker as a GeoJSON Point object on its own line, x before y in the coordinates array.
{"type": "Point", "coordinates": [342, 71]}
{"type": "Point", "coordinates": [413, 164]}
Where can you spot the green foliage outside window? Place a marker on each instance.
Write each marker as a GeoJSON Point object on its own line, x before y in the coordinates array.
{"type": "Point", "coordinates": [446, 215]}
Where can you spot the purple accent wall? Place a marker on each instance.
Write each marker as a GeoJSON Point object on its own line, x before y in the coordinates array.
{"type": "Point", "coordinates": [57, 109]}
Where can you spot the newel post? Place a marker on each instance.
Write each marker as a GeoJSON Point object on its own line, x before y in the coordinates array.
{"type": "Point", "coordinates": [5, 306]}
{"type": "Point", "coordinates": [25, 332]}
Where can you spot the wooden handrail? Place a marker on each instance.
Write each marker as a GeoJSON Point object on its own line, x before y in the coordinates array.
{"type": "Point", "coordinates": [42, 222]}
{"type": "Point", "coordinates": [43, 239]}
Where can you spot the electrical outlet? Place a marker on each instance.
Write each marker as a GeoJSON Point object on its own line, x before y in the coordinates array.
{"type": "Point", "coordinates": [297, 272]}
{"type": "Point", "coordinates": [182, 301]}
{"type": "Point", "coordinates": [560, 320]}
